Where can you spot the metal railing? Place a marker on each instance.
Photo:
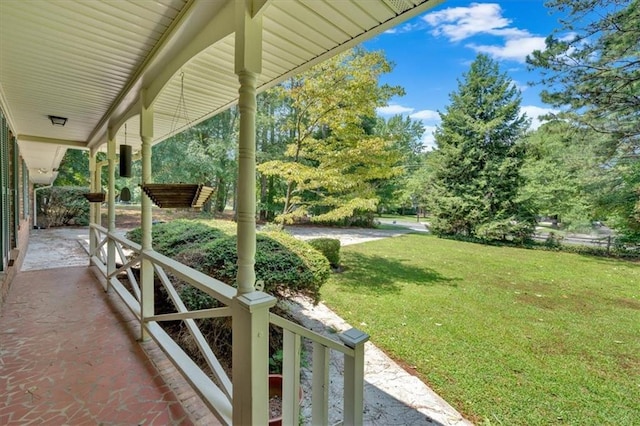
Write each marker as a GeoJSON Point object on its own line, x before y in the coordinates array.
{"type": "Point", "coordinates": [117, 257]}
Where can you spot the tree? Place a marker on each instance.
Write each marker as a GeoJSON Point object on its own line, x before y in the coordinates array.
{"type": "Point", "coordinates": [271, 138]}
{"type": "Point", "coordinates": [205, 154]}
{"type": "Point", "coordinates": [475, 174]}
{"type": "Point", "coordinates": [591, 65]}
{"type": "Point", "coordinates": [561, 172]}
{"type": "Point", "coordinates": [406, 137]}
{"type": "Point", "coordinates": [331, 163]}
{"type": "Point", "coordinates": [73, 169]}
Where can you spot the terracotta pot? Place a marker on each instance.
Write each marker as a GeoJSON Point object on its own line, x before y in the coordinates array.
{"type": "Point", "coordinates": [275, 389]}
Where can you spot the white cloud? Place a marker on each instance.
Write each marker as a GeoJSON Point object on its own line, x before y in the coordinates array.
{"type": "Point", "coordinates": [514, 49]}
{"type": "Point", "coordinates": [428, 139]}
{"type": "Point", "coordinates": [460, 23]}
{"type": "Point", "coordinates": [406, 28]}
{"type": "Point", "coordinates": [534, 112]}
{"type": "Point", "coordinates": [520, 86]}
{"type": "Point", "coordinates": [394, 109]}
{"type": "Point", "coordinates": [426, 115]}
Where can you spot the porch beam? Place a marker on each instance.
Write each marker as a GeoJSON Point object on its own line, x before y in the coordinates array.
{"type": "Point", "coordinates": [54, 141]}
{"type": "Point", "coordinates": [259, 6]}
{"type": "Point", "coordinates": [146, 279]}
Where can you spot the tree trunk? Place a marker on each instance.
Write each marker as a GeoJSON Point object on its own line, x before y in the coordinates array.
{"type": "Point", "coordinates": [264, 213]}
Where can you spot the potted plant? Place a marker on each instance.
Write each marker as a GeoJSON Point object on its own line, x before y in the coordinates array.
{"type": "Point", "coordinates": [275, 389]}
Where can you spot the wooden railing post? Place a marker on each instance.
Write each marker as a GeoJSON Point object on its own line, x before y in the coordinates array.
{"type": "Point", "coordinates": [291, 347]}
{"type": "Point", "coordinates": [354, 376]}
{"type": "Point", "coordinates": [251, 358]}
{"type": "Point", "coordinates": [320, 385]}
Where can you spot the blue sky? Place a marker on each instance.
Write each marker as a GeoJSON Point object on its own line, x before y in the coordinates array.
{"type": "Point", "coordinates": [432, 51]}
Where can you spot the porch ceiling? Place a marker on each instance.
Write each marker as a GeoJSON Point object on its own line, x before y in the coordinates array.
{"type": "Point", "coordinates": [88, 61]}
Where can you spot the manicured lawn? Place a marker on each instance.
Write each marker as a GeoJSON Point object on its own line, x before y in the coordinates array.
{"type": "Point", "coordinates": [507, 336]}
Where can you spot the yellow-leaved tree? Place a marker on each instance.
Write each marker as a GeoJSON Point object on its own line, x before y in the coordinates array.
{"type": "Point", "coordinates": [332, 164]}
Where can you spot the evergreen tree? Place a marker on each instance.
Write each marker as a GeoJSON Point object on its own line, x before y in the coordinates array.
{"type": "Point", "coordinates": [591, 64]}
{"type": "Point", "coordinates": [475, 174]}
{"type": "Point", "coordinates": [591, 68]}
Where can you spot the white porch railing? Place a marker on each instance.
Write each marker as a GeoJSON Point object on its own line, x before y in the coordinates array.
{"type": "Point", "coordinates": [217, 392]}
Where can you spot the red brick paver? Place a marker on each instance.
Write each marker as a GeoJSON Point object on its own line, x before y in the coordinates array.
{"type": "Point", "coordinates": [67, 357]}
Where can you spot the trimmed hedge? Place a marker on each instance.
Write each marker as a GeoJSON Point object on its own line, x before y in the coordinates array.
{"type": "Point", "coordinates": [170, 238]}
{"type": "Point", "coordinates": [329, 247]}
{"type": "Point", "coordinates": [285, 265]}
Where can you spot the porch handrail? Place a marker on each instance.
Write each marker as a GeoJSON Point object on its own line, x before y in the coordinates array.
{"type": "Point", "coordinates": [218, 395]}
{"type": "Point", "coordinates": [351, 345]}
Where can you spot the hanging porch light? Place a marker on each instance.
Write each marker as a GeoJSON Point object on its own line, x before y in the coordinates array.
{"type": "Point", "coordinates": [125, 157]}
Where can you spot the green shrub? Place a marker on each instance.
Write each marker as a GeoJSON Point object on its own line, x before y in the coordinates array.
{"type": "Point", "coordinates": [505, 230]}
{"type": "Point", "coordinates": [329, 247]}
{"type": "Point", "coordinates": [170, 238]}
{"type": "Point", "coordinates": [553, 240]}
{"type": "Point", "coordinates": [65, 205]}
{"type": "Point", "coordinates": [283, 263]}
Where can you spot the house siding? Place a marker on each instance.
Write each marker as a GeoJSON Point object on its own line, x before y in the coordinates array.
{"type": "Point", "coordinates": [16, 195]}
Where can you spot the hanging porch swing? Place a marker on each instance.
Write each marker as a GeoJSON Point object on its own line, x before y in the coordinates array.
{"type": "Point", "coordinates": [178, 195]}
{"type": "Point", "coordinates": [95, 197]}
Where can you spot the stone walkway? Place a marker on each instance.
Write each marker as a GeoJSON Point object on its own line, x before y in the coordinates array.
{"type": "Point", "coordinates": [392, 395]}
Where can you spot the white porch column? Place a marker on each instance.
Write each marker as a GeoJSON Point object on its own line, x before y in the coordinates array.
{"type": "Point", "coordinates": [146, 135]}
{"type": "Point", "coordinates": [98, 188]}
{"type": "Point", "coordinates": [247, 182]}
{"type": "Point", "coordinates": [92, 206]}
{"type": "Point", "coordinates": [111, 248]}
{"type": "Point", "coordinates": [251, 308]}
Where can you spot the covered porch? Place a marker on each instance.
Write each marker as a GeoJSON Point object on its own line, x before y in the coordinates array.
{"type": "Point", "coordinates": [77, 74]}
{"type": "Point", "coordinates": [57, 307]}
{"type": "Point", "coordinates": [70, 356]}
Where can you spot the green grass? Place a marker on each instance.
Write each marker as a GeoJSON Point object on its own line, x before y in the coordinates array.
{"type": "Point", "coordinates": [507, 336]}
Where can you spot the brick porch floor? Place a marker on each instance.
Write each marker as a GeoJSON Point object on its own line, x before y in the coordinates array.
{"type": "Point", "coordinates": [68, 356]}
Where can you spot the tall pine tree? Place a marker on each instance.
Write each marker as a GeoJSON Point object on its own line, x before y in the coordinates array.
{"type": "Point", "coordinates": [475, 178]}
